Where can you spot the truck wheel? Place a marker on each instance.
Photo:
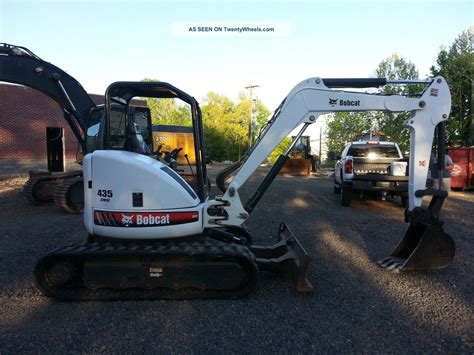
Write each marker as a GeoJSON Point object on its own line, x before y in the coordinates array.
{"type": "Point", "coordinates": [404, 200]}
{"type": "Point", "coordinates": [337, 188]}
{"type": "Point", "coordinates": [346, 195]}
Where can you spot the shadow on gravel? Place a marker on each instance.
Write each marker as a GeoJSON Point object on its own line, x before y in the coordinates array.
{"type": "Point", "coordinates": [346, 242]}
{"type": "Point", "coordinates": [356, 306]}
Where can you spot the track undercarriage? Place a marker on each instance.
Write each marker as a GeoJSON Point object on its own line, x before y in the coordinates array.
{"type": "Point", "coordinates": [209, 266]}
{"type": "Point", "coordinates": [64, 190]}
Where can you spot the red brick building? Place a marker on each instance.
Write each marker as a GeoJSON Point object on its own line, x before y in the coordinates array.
{"type": "Point", "coordinates": [24, 115]}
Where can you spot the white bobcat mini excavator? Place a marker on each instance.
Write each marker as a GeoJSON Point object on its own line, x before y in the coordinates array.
{"type": "Point", "coordinates": [153, 236]}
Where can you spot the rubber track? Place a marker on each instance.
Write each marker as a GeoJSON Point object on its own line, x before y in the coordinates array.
{"type": "Point", "coordinates": [28, 190]}
{"type": "Point", "coordinates": [30, 186]}
{"type": "Point", "coordinates": [207, 247]}
{"type": "Point", "coordinates": [60, 195]}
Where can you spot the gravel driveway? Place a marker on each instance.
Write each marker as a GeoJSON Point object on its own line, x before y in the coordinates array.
{"type": "Point", "coordinates": [355, 307]}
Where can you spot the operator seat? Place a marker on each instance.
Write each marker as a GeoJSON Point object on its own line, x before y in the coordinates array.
{"type": "Point", "coordinates": [135, 142]}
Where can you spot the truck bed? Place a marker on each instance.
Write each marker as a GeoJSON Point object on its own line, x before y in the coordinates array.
{"type": "Point", "coordinates": [379, 169]}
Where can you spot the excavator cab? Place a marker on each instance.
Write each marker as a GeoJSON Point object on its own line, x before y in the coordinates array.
{"type": "Point", "coordinates": [94, 130]}
{"type": "Point", "coordinates": [125, 120]}
{"type": "Point", "coordinates": [129, 128]}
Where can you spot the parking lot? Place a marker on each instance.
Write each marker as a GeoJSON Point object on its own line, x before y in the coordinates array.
{"type": "Point", "coordinates": [355, 307]}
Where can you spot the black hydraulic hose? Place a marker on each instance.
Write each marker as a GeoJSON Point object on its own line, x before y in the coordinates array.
{"type": "Point", "coordinates": [225, 173]}
{"type": "Point", "coordinates": [252, 202]}
{"type": "Point", "coordinates": [190, 166]}
{"type": "Point", "coordinates": [354, 82]}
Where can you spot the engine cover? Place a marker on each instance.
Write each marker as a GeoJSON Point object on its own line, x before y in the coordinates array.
{"type": "Point", "coordinates": [133, 196]}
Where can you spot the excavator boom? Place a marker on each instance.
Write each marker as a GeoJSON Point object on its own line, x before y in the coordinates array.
{"type": "Point", "coordinates": [425, 245]}
{"type": "Point", "coordinates": [19, 65]}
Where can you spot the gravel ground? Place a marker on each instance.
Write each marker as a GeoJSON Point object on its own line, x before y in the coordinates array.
{"type": "Point", "coordinates": [356, 307]}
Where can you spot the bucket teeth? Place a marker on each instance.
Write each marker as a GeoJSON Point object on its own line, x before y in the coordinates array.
{"type": "Point", "coordinates": [392, 264]}
{"type": "Point", "coordinates": [424, 247]}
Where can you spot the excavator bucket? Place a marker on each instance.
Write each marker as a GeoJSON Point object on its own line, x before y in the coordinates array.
{"type": "Point", "coordinates": [287, 256]}
{"type": "Point", "coordinates": [425, 246]}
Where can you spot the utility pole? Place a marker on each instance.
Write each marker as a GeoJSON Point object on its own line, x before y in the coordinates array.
{"type": "Point", "coordinates": [250, 88]}
{"type": "Point", "coordinates": [320, 142]}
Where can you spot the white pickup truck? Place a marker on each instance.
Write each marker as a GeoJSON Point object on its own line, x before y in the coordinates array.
{"type": "Point", "coordinates": [368, 166]}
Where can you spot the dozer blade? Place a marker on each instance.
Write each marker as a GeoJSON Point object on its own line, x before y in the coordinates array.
{"type": "Point", "coordinates": [424, 247]}
{"type": "Point", "coordinates": [286, 256]}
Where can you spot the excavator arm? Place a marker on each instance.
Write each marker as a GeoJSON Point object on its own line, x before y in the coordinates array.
{"type": "Point", "coordinates": [18, 65]}
{"type": "Point", "coordinates": [314, 97]}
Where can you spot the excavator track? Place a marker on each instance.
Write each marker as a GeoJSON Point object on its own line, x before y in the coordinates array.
{"type": "Point", "coordinates": [197, 269]}
{"type": "Point", "coordinates": [62, 189]}
{"type": "Point", "coordinates": [39, 190]}
{"type": "Point", "coordinates": [28, 190]}
{"type": "Point", "coordinates": [69, 194]}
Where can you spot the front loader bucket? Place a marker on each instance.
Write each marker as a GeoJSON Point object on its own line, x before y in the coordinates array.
{"type": "Point", "coordinates": [424, 247]}
{"type": "Point", "coordinates": [296, 167]}
{"type": "Point", "coordinates": [286, 256]}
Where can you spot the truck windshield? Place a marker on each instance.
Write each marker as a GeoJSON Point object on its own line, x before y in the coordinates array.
{"type": "Point", "coordinates": [373, 152]}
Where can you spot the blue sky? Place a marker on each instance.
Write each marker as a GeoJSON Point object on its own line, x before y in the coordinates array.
{"type": "Point", "coordinates": [99, 42]}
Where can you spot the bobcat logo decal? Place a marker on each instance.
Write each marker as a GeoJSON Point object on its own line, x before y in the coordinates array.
{"type": "Point", "coordinates": [332, 102]}
{"type": "Point", "coordinates": [127, 220]}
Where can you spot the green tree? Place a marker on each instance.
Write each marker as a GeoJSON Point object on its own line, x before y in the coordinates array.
{"type": "Point", "coordinates": [225, 131]}
{"type": "Point", "coordinates": [456, 65]}
{"type": "Point", "coordinates": [391, 124]}
{"type": "Point", "coordinates": [226, 125]}
{"type": "Point", "coordinates": [343, 126]}
{"type": "Point", "coordinates": [280, 149]}
{"type": "Point", "coordinates": [168, 111]}
{"type": "Point", "coordinates": [225, 122]}
{"type": "Point", "coordinates": [260, 113]}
